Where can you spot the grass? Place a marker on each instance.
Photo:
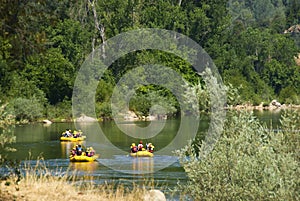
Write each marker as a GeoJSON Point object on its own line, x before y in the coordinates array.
{"type": "Point", "coordinates": [38, 183]}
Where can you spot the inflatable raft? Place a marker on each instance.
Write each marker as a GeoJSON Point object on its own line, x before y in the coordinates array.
{"type": "Point", "coordinates": [142, 154]}
{"type": "Point", "coordinates": [83, 158]}
{"type": "Point", "coordinates": [72, 139]}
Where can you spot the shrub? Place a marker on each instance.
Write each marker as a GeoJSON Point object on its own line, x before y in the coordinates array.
{"type": "Point", "coordinates": [27, 109]}
{"type": "Point", "coordinates": [104, 110]}
{"type": "Point", "coordinates": [249, 162]}
{"type": "Point", "coordinates": [288, 95]}
{"type": "Point", "coordinates": [62, 110]}
{"type": "Point", "coordinates": [6, 134]}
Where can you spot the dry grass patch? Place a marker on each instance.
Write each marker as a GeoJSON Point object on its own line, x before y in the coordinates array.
{"type": "Point", "coordinates": [54, 188]}
{"type": "Point", "coordinates": [39, 184]}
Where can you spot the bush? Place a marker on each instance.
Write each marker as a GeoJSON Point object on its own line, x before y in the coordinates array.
{"type": "Point", "coordinates": [62, 110]}
{"type": "Point", "coordinates": [103, 110]}
{"type": "Point", "coordinates": [288, 95]}
{"type": "Point", "coordinates": [249, 162]}
{"type": "Point", "coordinates": [27, 109]}
{"type": "Point", "coordinates": [6, 134]}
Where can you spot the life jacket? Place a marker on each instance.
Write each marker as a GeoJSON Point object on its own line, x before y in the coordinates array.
{"type": "Point", "coordinates": [134, 149]}
{"type": "Point", "coordinates": [79, 150]}
{"type": "Point", "coordinates": [140, 147]}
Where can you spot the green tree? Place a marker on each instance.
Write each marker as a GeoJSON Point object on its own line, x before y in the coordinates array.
{"type": "Point", "coordinates": [71, 38]}
{"type": "Point", "coordinates": [293, 12]}
{"type": "Point", "coordinates": [52, 73]}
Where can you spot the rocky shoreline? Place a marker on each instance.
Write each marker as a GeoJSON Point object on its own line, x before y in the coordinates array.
{"type": "Point", "coordinates": [273, 106]}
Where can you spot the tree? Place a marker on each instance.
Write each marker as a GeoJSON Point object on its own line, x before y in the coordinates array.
{"type": "Point", "coordinates": [52, 73]}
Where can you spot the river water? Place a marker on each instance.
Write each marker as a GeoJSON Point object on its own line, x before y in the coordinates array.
{"type": "Point", "coordinates": [114, 165]}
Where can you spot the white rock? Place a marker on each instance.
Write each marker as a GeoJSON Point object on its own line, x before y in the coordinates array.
{"type": "Point", "coordinates": [275, 103]}
{"type": "Point", "coordinates": [46, 121]}
{"type": "Point", "coordinates": [85, 118]}
{"type": "Point", "coordinates": [154, 195]}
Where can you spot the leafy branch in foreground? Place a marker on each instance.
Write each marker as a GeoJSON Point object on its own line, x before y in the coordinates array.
{"type": "Point", "coordinates": [6, 135]}
{"type": "Point", "coordinates": [248, 162]}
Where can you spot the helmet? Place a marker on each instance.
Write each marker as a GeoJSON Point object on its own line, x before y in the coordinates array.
{"type": "Point", "coordinates": [133, 144]}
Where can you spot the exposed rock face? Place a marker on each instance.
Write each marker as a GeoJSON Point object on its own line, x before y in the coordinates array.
{"type": "Point", "coordinates": [297, 59]}
{"type": "Point", "coordinates": [130, 116]}
{"type": "Point", "coordinates": [155, 195]}
{"type": "Point", "coordinates": [275, 103]}
{"type": "Point", "coordinates": [85, 118]}
{"type": "Point", "coordinates": [293, 29]}
{"type": "Point", "coordinates": [46, 121]}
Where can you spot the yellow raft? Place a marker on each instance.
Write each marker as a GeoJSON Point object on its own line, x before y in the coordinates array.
{"type": "Point", "coordinates": [142, 154]}
{"type": "Point", "coordinates": [83, 158]}
{"type": "Point", "coordinates": [72, 139]}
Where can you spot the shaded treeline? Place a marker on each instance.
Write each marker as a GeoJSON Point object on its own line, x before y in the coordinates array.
{"type": "Point", "coordinates": [43, 44]}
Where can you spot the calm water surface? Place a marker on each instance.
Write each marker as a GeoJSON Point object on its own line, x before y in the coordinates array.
{"type": "Point", "coordinates": [40, 140]}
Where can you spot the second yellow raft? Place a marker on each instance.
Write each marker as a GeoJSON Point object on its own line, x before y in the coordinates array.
{"type": "Point", "coordinates": [142, 154]}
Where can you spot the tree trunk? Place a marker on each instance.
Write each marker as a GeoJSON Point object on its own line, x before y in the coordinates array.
{"type": "Point", "coordinates": [99, 27]}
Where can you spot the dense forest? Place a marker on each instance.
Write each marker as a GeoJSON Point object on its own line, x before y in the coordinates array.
{"type": "Point", "coordinates": [43, 44]}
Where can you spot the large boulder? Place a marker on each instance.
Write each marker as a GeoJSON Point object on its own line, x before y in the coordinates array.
{"type": "Point", "coordinates": [293, 29]}
{"type": "Point", "coordinates": [46, 121]}
{"type": "Point", "coordinates": [275, 103]}
{"type": "Point", "coordinates": [154, 195]}
{"type": "Point", "coordinates": [85, 118]}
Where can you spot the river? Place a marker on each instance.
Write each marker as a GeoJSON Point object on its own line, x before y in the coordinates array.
{"type": "Point", "coordinates": [114, 165]}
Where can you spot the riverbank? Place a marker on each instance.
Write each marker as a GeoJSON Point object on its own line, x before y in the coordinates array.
{"type": "Point", "coordinates": [262, 107]}
{"type": "Point", "coordinates": [131, 116]}
{"type": "Point", "coordinates": [47, 187]}
{"type": "Point", "coordinates": [55, 189]}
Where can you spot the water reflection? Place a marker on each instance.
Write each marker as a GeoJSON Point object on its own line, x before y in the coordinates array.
{"type": "Point", "coordinates": [142, 165]}
{"type": "Point", "coordinates": [88, 167]}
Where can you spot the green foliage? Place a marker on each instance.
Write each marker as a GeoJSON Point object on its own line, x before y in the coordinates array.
{"type": "Point", "coordinates": [27, 89]}
{"type": "Point", "coordinates": [290, 125]}
{"type": "Point", "coordinates": [248, 162]}
{"type": "Point", "coordinates": [27, 109]}
{"type": "Point", "coordinates": [293, 12]}
{"type": "Point", "coordinates": [53, 74]}
{"type": "Point", "coordinates": [43, 44]}
{"type": "Point", "coordinates": [103, 110]}
{"type": "Point", "coordinates": [289, 95]}
{"type": "Point", "coordinates": [152, 103]}
{"type": "Point", "coordinates": [71, 38]}
{"type": "Point", "coordinates": [6, 134]}
{"type": "Point", "coordinates": [62, 110]}
{"type": "Point", "coordinates": [233, 95]}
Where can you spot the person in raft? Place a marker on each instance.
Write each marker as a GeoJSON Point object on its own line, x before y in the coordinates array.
{"type": "Point", "coordinates": [140, 146]}
{"type": "Point", "coordinates": [67, 133]}
{"type": "Point", "coordinates": [90, 152]}
{"type": "Point", "coordinates": [79, 150]}
{"type": "Point", "coordinates": [133, 148]}
{"type": "Point", "coordinates": [150, 147]}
